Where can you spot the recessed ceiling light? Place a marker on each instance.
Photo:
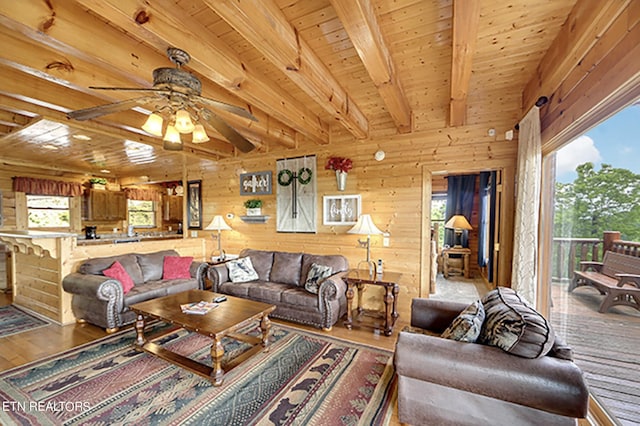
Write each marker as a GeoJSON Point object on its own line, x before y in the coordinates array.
{"type": "Point", "coordinates": [49, 146]}
{"type": "Point", "coordinates": [105, 171]}
{"type": "Point", "coordinates": [82, 137]}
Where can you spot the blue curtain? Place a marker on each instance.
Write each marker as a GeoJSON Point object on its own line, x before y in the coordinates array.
{"type": "Point", "coordinates": [487, 221]}
{"type": "Point", "coordinates": [460, 192]}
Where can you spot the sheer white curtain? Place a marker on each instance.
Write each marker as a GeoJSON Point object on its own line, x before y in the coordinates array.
{"type": "Point", "coordinates": [529, 172]}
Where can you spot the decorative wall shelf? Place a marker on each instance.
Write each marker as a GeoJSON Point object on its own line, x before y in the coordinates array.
{"type": "Point", "coordinates": [254, 219]}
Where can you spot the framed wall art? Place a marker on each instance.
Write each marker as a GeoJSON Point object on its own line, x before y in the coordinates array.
{"type": "Point", "coordinates": [341, 209]}
{"type": "Point", "coordinates": [256, 183]}
{"type": "Point", "coordinates": [194, 204]}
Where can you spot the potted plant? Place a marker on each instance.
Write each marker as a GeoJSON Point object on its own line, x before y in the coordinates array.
{"type": "Point", "coordinates": [342, 166]}
{"type": "Point", "coordinates": [98, 183]}
{"type": "Point", "coordinates": [254, 207]}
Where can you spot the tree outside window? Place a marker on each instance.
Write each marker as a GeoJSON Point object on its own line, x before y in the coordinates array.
{"type": "Point", "coordinates": [48, 211]}
{"type": "Point", "coordinates": [141, 213]}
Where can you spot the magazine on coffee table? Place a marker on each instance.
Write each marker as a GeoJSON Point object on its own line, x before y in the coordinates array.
{"type": "Point", "coordinates": [198, 308]}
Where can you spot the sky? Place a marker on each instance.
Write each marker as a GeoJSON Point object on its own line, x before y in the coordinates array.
{"type": "Point", "coordinates": [615, 141]}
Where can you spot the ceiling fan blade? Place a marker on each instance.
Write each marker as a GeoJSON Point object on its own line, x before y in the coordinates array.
{"type": "Point", "coordinates": [100, 110]}
{"type": "Point", "coordinates": [226, 107]}
{"type": "Point", "coordinates": [132, 89]}
{"type": "Point", "coordinates": [228, 132]}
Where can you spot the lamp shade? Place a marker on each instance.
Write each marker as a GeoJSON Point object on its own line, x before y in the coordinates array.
{"type": "Point", "coordinates": [218, 224]}
{"type": "Point", "coordinates": [153, 125]}
{"type": "Point", "coordinates": [183, 122]}
{"type": "Point", "coordinates": [458, 222]}
{"type": "Point", "coordinates": [199, 134]}
{"type": "Point", "coordinates": [365, 226]}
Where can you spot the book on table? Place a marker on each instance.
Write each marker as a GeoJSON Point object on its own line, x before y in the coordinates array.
{"type": "Point", "coordinates": [198, 308]}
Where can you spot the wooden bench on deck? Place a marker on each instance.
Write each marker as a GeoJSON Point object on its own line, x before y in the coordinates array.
{"type": "Point", "coordinates": [617, 277]}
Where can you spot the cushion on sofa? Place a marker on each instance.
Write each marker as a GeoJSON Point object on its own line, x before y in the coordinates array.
{"type": "Point", "coordinates": [466, 327]}
{"type": "Point", "coordinates": [261, 261]}
{"type": "Point", "coordinates": [99, 264]}
{"type": "Point", "coordinates": [241, 270]}
{"type": "Point", "coordinates": [286, 268]}
{"type": "Point", "coordinates": [514, 326]}
{"type": "Point", "coordinates": [152, 264]}
{"type": "Point", "coordinates": [315, 277]}
{"type": "Point", "coordinates": [175, 267]}
{"type": "Point", "coordinates": [338, 263]}
{"type": "Point", "coordinates": [117, 272]}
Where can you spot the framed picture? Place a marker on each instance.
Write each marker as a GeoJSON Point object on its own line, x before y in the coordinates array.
{"type": "Point", "coordinates": [257, 183]}
{"type": "Point", "coordinates": [341, 209]}
{"type": "Point", "coordinates": [194, 204]}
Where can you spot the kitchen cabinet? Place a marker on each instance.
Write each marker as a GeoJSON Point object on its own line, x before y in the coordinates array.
{"type": "Point", "coordinates": [173, 208]}
{"type": "Point", "coordinates": [106, 205]}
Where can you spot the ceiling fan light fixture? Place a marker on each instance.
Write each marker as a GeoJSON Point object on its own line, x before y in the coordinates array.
{"type": "Point", "coordinates": [183, 122]}
{"type": "Point", "coordinates": [199, 134]}
{"type": "Point", "coordinates": [153, 125]}
{"type": "Point", "coordinates": [172, 135]}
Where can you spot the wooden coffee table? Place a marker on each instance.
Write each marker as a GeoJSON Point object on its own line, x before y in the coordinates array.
{"type": "Point", "coordinates": [222, 321]}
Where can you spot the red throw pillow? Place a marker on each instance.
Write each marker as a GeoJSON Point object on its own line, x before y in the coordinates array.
{"type": "Point", "coordinates": [117, 272]}
{"type": "Point", "coordinates": [176, 267]}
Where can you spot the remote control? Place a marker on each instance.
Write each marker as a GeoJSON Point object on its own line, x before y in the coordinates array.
{"type": "Point", "coordinates": [220, 299]}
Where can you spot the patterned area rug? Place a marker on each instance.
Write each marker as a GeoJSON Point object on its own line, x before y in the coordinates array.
{"type": "Point", "coordinates": [14, 320]}
{"type": "Point", "coordinates": [305, 379]}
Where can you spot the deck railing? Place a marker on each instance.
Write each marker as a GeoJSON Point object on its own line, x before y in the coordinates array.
{"type": "Point", "coordinates": [569, 252]}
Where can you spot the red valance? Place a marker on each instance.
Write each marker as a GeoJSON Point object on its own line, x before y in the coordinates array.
{"type": "Point", "coordinates": [34, 186]}
{"type": "Point", "coordinates": [142, 194]}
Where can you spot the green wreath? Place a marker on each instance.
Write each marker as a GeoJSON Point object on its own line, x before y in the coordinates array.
{"type": "Point", "coordinates": [289, 177]}
{"type": "Point", "coordinates": [304, 171]}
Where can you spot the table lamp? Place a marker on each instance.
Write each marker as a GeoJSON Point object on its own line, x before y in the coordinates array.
{"type": "Point", "coordinates": [458, 223]}
{"type": "Point", "coordinates": [218, 224]}
{"type": "Point", "coordinates": [365, 226]}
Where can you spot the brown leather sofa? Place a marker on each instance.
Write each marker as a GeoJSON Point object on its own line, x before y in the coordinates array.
{"type": "Point", "coordinates": [442, 381]}
{"type": "Point", "coordinates": [281, 281]}
{"type": "Point", "coordinates": [100, 300]}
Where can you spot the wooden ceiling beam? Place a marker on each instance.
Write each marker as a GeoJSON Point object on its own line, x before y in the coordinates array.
{"type": "Point", "coordinates": [11, 119]}
{"type": "Point", "coordinates": [584, 26]}
{"type": "Point", "coordinates": [264, 26]}
{"type": "Point", "coordinates": [164, 26]}
{"type": "Point", "coordinates": [359, 20]}
{"type": "Point", "coordinates": [466, 18]}
{"type": "Point", "coordinates": [71, 71]}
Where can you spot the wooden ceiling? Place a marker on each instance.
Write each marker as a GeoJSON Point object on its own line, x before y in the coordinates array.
{"type": "Point", "coordinates": [309, 70]}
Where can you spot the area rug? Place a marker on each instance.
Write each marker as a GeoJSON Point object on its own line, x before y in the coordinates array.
{"type": "Point", "coordinates": [14, 320]}
{"type": "Point", "coordinates": [304, 379]}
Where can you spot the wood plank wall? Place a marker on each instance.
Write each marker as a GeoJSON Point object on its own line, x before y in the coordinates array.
{"type": "Point", "coordinates": [390, 190]}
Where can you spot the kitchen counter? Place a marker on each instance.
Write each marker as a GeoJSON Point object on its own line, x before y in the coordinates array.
{"type": "Point", "coordinates": [125, 239]}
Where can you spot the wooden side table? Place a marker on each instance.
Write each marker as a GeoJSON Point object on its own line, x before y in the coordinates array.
{"type": "Point", "coordinates": [358, 278]}
{"type": "Point", "coordinates": [462, 256]}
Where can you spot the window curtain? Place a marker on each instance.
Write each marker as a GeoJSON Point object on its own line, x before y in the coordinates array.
{"type": "Point", "coordinates": [487, 221]}
{"type": "Point", "coordinates": [460, 192]}
{"type": "Point", "coordinates": [34, 186]}
{"type": "Point", "coordinates": [529, 172]}
{"type": "Point", "coordinates": [142, 194]}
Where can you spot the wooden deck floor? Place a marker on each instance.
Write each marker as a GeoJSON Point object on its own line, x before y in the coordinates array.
{"type": "Point", "coordinates": [606, 347]}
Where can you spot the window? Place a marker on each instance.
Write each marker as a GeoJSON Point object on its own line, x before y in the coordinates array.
{"type": "Point", "coordinates": [141, 213]}
{"type": "Point", "coordinates": [48, 211]}
{"type": "Point", "coordinates": [438, 211]}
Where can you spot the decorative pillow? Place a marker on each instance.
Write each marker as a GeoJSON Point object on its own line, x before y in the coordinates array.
{"type": "Point", "coordinates": [241, 270]}
{"type": "Point", "coordinates": [117, 272]}
{"type": "Point", "coordinates": [467, 325]}
{"type": "Point", "coordinates": [315, 277]}
{"type": "Point", "coordinates": [176, 267]}
{"type": "Point", "coordinates": [514, 326]}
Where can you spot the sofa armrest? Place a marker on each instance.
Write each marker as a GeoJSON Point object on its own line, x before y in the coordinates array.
{"type": "Point", "coordinates": [218, 274]}
{"type": "Point", "coordinates": [434, 315]}
{"type": "Point", "coordinates": [198, 270]}
{"type": "Point", "coordinates": [98, 286]}
{"type": "Point", "coordinates": [333, 287]}
{"type": "Point", "coordinates": [545, 383]}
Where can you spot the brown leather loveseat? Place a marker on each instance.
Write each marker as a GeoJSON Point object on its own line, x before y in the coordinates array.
{"type": "Point", "coordinates": [443, 381]}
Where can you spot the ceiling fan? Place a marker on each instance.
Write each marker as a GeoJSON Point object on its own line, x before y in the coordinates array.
{"type": "Point", "coordinates": [176, 95]}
